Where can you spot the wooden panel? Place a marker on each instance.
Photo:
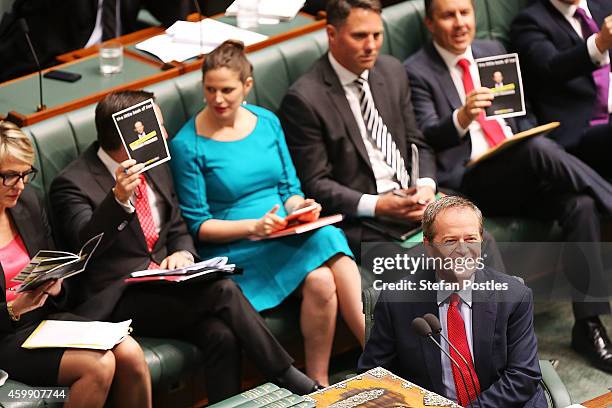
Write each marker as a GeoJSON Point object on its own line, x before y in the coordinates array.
{"type": "Point", "coordinates": [603, 401]}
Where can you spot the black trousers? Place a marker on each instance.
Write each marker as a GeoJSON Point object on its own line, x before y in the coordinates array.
{"type": "Point", "coordinates": [539, 179]}
{"type": "Point", "coordinates": [216, 317]}
{"type": "Point", "coordinates": [594, 149]}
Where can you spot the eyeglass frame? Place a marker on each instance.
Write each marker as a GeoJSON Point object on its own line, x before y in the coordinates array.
{"type": "Point", "coordinates": [26, 177]}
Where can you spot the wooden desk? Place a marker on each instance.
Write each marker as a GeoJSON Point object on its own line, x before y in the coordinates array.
{"type": "Point", "coordinates": [603, 401]}
{"type": "Point", "coordinates": [19, 97]}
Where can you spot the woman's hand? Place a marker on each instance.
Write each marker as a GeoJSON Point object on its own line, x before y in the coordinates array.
{"type": "Point", "coordinates": [309, 216]}
{"type": "Point", "coordinates": [31, 300]}
{"type": "Point", "coordinates": [269, 223]}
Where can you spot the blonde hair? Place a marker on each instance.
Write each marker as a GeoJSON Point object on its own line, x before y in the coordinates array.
{"type": "Point", "coordinates": [14, 143]}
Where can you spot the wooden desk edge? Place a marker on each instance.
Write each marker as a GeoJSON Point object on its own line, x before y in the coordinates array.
{"type": "Point", "coordinates": [603, 401]}
{"type": "Point", "coordinates": [171, 70]}
{"type": "Point", "coordinates": [29, 119]}
{"type": "Point", "coordinates": [127, 39]}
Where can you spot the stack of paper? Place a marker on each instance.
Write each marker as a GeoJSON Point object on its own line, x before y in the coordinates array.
{"type": "Point", "coordinates": [219, 263]}
{"type": "Point", "coordinates": [70, 334]}
{"type": "Point", "coordinates": [281, 10]}
{"type": "Point", "coordinates": [185, 40]}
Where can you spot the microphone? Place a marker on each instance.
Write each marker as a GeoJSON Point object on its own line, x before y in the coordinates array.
{"type": "Point", "coordinates": [422, 328]}
{"type": "Point", "coordinates": [26, 31]}
{"type": "Point", "coordinates": [199, 11]}
{"type": "Point", "coordinates": [436, 327]}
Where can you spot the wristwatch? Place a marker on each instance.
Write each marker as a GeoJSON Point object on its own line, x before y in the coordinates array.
{"type": "Point", "coordinates": [11, 313]}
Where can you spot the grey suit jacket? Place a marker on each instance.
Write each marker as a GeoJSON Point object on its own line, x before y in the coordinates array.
{"type": "Point", "coordinates": [435, 98]}
{"type": "Point", "coordinates": [324, 139]}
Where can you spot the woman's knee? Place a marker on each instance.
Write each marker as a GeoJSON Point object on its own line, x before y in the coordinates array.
{"type": "Point", "coordinates": [320, 284]}
{"type": "Point", "coordinates": [130, 359]}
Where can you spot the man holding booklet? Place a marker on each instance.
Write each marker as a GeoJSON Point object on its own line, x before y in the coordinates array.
{"type": "Point", "coordinates": [533, 178]}
{"type": "Point", "coordinates": [103, 191]}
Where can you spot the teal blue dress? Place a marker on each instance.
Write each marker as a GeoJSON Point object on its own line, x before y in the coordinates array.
{"type": "Point", "coordinates": [244, 179]}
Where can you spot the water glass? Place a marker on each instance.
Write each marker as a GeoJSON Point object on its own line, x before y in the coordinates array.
{"type": "Point", "coordinates": [248, 14]}
{"type": "Point", "coordinates": [111, 58]}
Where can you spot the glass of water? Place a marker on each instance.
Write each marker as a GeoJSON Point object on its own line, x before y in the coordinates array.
{"type": "Point", "coordinates": [111, 58]}
{"type": "Point", "coordinates": [247, 15]}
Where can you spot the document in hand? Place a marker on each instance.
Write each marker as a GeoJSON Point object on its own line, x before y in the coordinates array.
{"type": "Point", "coordinates": [141, 134]}
{"type": "Point", "coordinates": [502, 75]}
{"type": "Point", "coordinates": [282, 10]}
{"type": "Point", "coordinates": [207, 269]}
{"type": "Point", "coordinates": [48, 265]}
{"type": "Point", "coordinates": [3, 377]}
{"type": "Point", "coordinates": [517, 138]}
{"type": "Point", "coordinates": [71, 334]}
{"type": "Point", "coordinates": [301, 228]}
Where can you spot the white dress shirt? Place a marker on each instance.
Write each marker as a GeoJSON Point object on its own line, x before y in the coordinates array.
{"type": "Point", "coordinates": [479, 141]}
{"type": "Point", "coordinates": [598, 58]}
{"type": "Point", "coordinates": [465, 309]}
{"type": "Point", "coordinates": [382, 171]}
{"type": "Point", "coordinates": [158, 207]}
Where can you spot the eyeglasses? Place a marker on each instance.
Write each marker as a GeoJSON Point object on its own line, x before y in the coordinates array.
{"type": "Point", "coordinates": [10, 179]}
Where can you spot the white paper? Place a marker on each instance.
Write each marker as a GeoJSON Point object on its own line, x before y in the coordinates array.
{"type": "Point", "coordinates": [219, 262]}
{"type": "Point", "coordinates": [182, 40]}
{"type": "Point", "coordinates": [3, 377]}
{"type": "Point", "coordinates": [72, 334]}
{"type": "Point", "coordinates": [284, 10]}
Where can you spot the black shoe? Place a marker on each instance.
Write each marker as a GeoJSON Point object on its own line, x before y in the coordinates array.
{"type": "Point", "coordinates": [590, 339]}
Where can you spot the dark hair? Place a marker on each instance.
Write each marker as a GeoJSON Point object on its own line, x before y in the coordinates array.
{"type": "Point", "coordinates": [114, 102]}
{"type": "Point", "coordinates": [429, 8]}
{"type": "Point", "coordinates": [339, 10]}
{"type": "Point", "coordinates": [230, 54]}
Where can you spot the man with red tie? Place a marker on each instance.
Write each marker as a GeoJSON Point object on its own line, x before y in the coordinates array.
{"type": "Point", "coordinates": [564, 46]}
{"type": "Point", "coordinates": [103, 191]}
{"type": "Point", "coordinates": [486, 315]}
{"type": "Point", "coordinates": [535, 178]}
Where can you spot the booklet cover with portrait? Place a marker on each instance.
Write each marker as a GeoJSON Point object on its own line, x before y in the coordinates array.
{"type": "Point", "coordinates": [502, 74]}
{"type": "Point", "coordinates": [141, 134]}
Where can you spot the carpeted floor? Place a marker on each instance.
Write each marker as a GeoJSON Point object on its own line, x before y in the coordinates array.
{"type": "Point", "coordinates": [553, 325]}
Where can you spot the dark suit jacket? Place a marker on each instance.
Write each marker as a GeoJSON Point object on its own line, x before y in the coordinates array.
{"type": "Point", "coordinates": [329, 154]}
{"type": "Point", "coordinates": [59, 26]}
{"type": "Point", "coordinates": [31, 222]}
{"type": "Point", "coordinates": [435, 98]}
{"type": "Point", "coordinates": [84, 206]}
{"type": "Point", "coordinates": [504, 342]}
{"type": "Point", "coordinates": [556, 67]}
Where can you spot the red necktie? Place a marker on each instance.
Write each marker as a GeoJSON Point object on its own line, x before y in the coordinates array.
{"type": "Point", "coordinates": [145, 217]}
{"type": "Point", "coordinates": [457, 336]}
{"type": "Point", "coordinates": [492, 130]}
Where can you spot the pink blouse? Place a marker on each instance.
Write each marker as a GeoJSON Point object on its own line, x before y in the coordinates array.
{"type": "Point", "coordinates": [13, 257]}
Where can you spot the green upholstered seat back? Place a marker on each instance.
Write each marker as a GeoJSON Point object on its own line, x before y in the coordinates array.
{"type": "Point", "coordinates": [405, 31]}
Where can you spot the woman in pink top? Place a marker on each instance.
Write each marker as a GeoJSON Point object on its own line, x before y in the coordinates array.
{"type": "Point", "coordinates": [24, 231]}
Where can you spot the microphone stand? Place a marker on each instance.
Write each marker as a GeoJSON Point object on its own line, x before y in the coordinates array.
{"type": "Point", "coordinates": [430, 336]}
{"type": "Point", "coordinates": [199, 11]}
{"type": "Point", "coordinates": [25, 28]}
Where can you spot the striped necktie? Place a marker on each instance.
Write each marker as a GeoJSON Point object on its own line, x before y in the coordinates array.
{"type": "Point", "coordinates": [379, 134]}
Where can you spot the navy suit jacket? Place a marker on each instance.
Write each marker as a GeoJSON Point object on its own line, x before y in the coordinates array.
{"type": "Point", "coordinates": [556, 67]}
{"type": "Point", "coordinates": [504, 342]}
{"type": "Point", "coordinates": [435, 98]}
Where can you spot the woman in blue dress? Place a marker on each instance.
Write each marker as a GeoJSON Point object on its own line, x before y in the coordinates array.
{"type": "Point", "coordinates": [235, 180]}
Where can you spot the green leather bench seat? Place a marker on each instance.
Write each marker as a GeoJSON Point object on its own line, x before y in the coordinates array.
{"type": "Point", "coordinates": [59, 140]}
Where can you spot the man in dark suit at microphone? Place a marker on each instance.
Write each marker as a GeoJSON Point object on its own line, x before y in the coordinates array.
{"type": "Point", "coordinates": [486, 315]}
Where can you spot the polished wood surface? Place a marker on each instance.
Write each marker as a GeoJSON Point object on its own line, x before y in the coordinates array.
{"type": "Point", "coordinates": [603, 401]}
{"type": "Point", "coordinates": [166, 71]}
